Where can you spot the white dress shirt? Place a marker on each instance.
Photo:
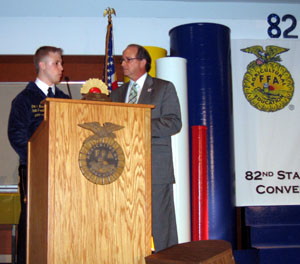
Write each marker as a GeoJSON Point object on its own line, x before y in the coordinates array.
{"type": "Point", "coordinates": [140, 84]}
{"type": "Point", "coordinates": [43, 86]}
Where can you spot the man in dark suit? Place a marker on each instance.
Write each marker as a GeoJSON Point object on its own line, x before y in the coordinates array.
{"type": "Point", "coordinates": [165, 122]}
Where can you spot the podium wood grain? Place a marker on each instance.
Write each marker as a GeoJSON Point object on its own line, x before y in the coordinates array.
{"type": "Point", "coordinates": [73, 220]}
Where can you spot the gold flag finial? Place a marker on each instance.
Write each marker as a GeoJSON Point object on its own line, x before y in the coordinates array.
{"type": "Point", "coordinates": [109, 11]}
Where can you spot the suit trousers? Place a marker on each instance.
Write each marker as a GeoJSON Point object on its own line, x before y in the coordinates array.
{"type": "Point", "coordinates": [21, 243]}
{"type": "Point", "coordinates": [164, 230]}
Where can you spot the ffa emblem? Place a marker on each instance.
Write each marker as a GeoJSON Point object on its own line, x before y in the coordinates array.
{"type": "Point", "coordinates": [101, 159]}
{"type": "Point", "coordinates": [267, 84]}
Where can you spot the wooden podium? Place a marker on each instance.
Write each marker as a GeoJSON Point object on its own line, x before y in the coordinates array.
{"type": "Point", "coordinates": [72, 219]}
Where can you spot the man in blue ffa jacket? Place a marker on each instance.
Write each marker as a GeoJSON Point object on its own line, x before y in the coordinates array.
{"type": "Point", "coordinates": [165, 122]}
{"type": "Point", "coordinates": [26, 115]}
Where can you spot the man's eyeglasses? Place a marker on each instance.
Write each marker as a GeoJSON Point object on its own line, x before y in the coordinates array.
{"type": "Point", "coordinates": [128, 59]}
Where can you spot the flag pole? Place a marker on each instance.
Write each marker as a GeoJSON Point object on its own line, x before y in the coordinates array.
{"type": "Point", "coordinates": [109, 76]}
{"type": "Point", "coordinates": [108, 12]}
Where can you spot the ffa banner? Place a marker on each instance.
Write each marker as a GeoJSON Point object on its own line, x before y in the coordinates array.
{"type": "Point", "coordinates": [266, 101]}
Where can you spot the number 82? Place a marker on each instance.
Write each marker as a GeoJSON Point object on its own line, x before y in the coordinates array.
{"type": "Point", "coordinates": [274, 30]}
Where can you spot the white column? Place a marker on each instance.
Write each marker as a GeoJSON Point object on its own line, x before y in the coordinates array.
{"type": "Point", "coordinates": [174, 69]}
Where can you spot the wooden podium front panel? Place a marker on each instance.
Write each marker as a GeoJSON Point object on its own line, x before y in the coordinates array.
{"type": "Point", "coordinates": [87, 222]}
{"type": "Point", "coordinates": [37, 219]}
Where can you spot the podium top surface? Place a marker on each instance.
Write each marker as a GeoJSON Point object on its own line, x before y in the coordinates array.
{"type": "Point", "coordinates": [76, 101]}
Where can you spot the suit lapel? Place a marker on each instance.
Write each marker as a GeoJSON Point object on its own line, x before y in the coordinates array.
{"type": "Point", "coordinates": [123, 93]}
{"type": "Point", "coordinates": [145, 96]}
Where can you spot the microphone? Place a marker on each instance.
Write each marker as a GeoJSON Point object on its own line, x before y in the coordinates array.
{"type": "Point", "coordinates": [67, 83]}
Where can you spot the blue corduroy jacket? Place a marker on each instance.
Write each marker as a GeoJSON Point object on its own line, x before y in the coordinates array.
{"type": "Point", "coordinates": [25, 116]}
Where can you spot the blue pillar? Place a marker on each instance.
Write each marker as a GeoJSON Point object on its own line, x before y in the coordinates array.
{"type": "Point", "coordinates": [206, 46]}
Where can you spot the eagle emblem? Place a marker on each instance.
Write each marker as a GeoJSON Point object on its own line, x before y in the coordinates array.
{"type": "Point", "coordinates": [101, 159]}
{"type": "Point", "coordinates": [268, 85]}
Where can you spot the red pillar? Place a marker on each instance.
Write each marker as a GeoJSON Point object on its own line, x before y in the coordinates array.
{"type": "Point", "coordinates": [199, 184]}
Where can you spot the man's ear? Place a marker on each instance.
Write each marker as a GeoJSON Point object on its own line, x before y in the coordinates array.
{"type": "Point", "coordinates": [144, 62]}
{"type": "Point", "coordinates": [42, 65]}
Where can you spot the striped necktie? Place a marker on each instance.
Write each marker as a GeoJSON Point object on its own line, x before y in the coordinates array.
{"type": "Point", "coordinates": [133, 94]}
{"type": "Point", "coordinates": [50, 93]}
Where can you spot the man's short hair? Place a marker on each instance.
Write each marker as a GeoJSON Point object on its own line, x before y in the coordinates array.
{"type": "Point", "coordinates": [142, 53]}
{"type": "Point", "coordinates": [43, 52]}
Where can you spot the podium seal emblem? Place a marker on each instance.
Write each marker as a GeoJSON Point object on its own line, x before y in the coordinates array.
{"type": "Point", "coordinates": [101, 158]}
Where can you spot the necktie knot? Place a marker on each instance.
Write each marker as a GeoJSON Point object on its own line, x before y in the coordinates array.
{"type": "Point", "coordinates": [50, 93]}
{"type": "Point", "coordinates": [133, 94]}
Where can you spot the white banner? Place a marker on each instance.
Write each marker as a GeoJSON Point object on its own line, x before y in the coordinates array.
{"type": "Point", "coordinates": [266, 101]}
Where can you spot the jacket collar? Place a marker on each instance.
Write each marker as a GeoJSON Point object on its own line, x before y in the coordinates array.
{"type": "Point", "coordinates": [145, 97]}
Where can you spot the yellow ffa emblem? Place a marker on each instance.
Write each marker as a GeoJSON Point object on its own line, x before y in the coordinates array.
{"type": "Point", "coordinates": [101, 159]}
{"type": "Point", "coordinates": [267, 85]}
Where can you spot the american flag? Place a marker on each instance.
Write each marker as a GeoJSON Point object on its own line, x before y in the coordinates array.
{"type": "Point", "coordinates": [109, 74]}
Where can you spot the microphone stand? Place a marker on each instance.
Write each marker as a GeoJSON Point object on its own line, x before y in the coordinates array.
{"type": "Point", "coordinates": [67, 82]}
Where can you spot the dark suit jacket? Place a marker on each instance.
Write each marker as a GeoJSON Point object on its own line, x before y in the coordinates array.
{"type": "Point", "coordinates": [165, 122]}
